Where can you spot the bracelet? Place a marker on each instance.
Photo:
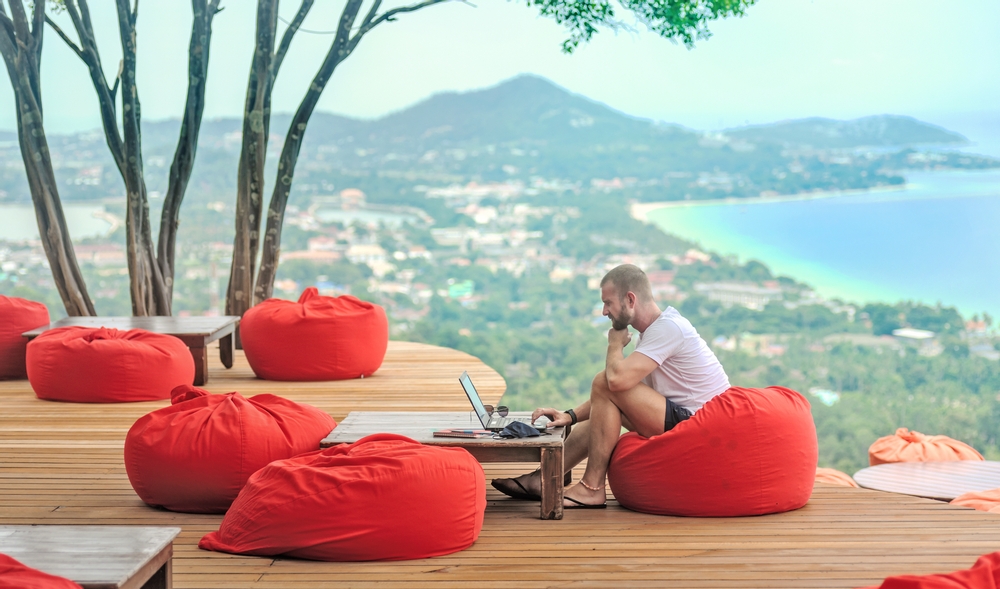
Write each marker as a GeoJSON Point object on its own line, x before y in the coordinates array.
{"type": "Point", "coordinates": [572, 416]}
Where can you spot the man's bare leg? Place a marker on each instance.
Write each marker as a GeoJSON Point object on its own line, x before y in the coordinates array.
{"type": "Point", "coordinates": [575, 449]}
{"type": "Point", "coordinates": [640, 408]}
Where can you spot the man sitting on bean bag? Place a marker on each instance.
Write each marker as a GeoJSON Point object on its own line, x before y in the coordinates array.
{"type": "Point", "coordinates": [671, 376]}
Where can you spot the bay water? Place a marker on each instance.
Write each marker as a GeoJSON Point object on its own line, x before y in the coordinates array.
{"type": "Point", "coordinates": [935, 240]}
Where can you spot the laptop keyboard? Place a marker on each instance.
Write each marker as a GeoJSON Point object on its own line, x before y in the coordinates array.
{"type": "Point", "coordinates": [505, 421]}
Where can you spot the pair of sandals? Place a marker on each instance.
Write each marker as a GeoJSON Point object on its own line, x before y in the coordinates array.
{"type": "Point", "coordinates": [523, 493]}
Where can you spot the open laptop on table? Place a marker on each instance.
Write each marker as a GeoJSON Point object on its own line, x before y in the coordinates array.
{"type": "Point", "coordinates": [493, 423]}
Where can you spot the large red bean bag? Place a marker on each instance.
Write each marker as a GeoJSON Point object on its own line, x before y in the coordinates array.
{"type": "Point", "coordinates": [16, 317]}
{"type": "Point", "coordinates": [985, 574]}
{"type": "Point", "coordinates": [317, 338]}
{"type": "Point", "coordinates": [745, 452]}
{"type": "Point", "coordinates": [14, 575]}
{"type": "Point", "coordinates": [102, 365]}
{"type": "Point", "coordinates": [195, 455]}
{"type": "Point", "coordinates": [833, 476]}
{"type": "Point", "coordinates": [907, 446]}
{"type": "Point", "coordinates": [385, 497]}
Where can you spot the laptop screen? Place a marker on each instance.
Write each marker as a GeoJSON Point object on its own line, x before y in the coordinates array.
{"type": "Point", "coordinates": [477, 403]}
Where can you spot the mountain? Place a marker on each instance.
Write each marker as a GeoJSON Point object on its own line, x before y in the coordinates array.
{"type": "Point", "coordinates": [875, 131]}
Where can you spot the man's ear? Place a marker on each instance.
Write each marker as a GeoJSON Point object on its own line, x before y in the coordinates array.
{"type": "Point", "coordinates": [632, 299]}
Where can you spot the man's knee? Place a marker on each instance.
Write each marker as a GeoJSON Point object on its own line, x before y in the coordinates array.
{"type": "Point", "coordinates": [600, 385]}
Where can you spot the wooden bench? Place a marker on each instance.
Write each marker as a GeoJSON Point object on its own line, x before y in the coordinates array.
{"type": "Point", "coordinates": [95, 557]}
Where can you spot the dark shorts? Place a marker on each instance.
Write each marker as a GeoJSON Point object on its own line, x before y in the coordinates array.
{"type": "Point", "coordinates": [675, 415]}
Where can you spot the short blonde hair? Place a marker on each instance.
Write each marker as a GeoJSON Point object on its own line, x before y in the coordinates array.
{"type": "Point", "coordinates": [628, 278]}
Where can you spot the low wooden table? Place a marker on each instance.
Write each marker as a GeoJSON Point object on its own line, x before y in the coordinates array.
{"type": "Point", "coordinates": [96, 557]}
{"type": "Point", "coordinates": [420, 426]}
{"type": "Point", "coordinates": [933, 480]}
{"type": "Point", "coordinates": [195, 332]}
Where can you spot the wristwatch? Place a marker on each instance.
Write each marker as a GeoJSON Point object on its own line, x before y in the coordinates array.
{"type": "Point", "coordinates": [572, 416]}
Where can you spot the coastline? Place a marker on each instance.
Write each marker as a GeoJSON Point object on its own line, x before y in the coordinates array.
{"type": "Point", "coordinates": [641, 210]}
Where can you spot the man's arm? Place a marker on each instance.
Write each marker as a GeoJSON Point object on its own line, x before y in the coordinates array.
{"type": "Point", "coordinates": [624, 373]}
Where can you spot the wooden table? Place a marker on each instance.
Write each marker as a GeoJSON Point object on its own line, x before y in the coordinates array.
{"type": "Point", "coordinates": [195, 332]}
{"type": "Point", "coordinates": [545, 449]}
{"type": "Point", "coordinates": [933, 480]}
{"type": "Point", "coordinates": [96, 557]}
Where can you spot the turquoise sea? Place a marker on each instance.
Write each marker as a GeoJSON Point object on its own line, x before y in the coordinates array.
{"type": "Point", "coordinates": [935, 240]}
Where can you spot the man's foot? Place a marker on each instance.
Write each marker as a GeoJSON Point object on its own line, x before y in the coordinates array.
{"type": "Point", "coordinates": [527, 486]}
{"type": "Point", "coordinates": [580, 497]}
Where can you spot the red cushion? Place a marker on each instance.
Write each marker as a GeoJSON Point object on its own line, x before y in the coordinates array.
{"type": "Point", "coordinates": [985, 574]}
{"type": "Point", "coordinates": [197, 454]}
{"type": "Point", "coordinates": [14, 575]}
{"type": "Point", "coordinates": [16, 317]}
{"type": "Point", "coordinates": [101, 365]}
{"type": "Point", "coordinates": [385, 497]}
{"type": "Point", "coordinates": [317, 338]}
{"type": "Point", "coordinates": [907, 446]}
{"type": "Point", "coordinates": [746, 452]}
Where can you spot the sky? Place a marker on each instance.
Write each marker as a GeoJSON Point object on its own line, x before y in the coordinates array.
{"type": "Point", "coordinates": [935, 60]}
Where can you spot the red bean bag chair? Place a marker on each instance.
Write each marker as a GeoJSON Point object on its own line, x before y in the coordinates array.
{"type": "Point", "coordinates": [14, 575]}
{"type": "Point", "coordinates": [745, 452]}
{"type": "Point", "coordinates": [985, 574]}
{"type": "Point", "coordinates": [102, 365]}
{"type": "Point", "coordinates": [317, 338]}
{"type": "Point", "coordinates": [982, 500]}
{"type": "Point", "coordinates": [907, 446]}
{"type": "Point", "coordinates": [385, 497]}
{"type": "Point", "coordinates": [16, 317]}
{"type": "Point", "coordinates": [195, 455]}
{"type": "Point", "coordinates": [834, 477]}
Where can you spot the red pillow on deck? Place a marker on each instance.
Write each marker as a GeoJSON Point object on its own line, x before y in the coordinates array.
{"type": "Point", "coordinates": [102, 365]}
{"type": "Point", "coordinates": [317, 338]}
{"type": "Point", "coordinates": [982, 500]}
{"type": "Point", "coordinates": [14, 575]}
{"type": "Point", "coordinates": [907, 446]}
{"type": "Point", "coordinates": [746, 452]}
{"type": "Point", "coordinates": [197, 454]}
{"type": "Point", "coordinates": [385, 497]}
{"type": "Point", "coordinates": [833, 476]}
{"type": "Point", "coordinates": [985, 574]}
{"type": "Point", "coordinates": [16, 317]}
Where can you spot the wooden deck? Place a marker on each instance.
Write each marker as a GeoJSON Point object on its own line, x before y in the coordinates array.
{"type": "Point", "coordinates": [62, 464]}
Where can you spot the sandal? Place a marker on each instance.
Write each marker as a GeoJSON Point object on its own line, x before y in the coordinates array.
{"type": "Point", "coordinates": [520, 493]}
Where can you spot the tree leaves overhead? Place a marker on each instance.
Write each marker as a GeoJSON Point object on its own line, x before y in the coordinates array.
{"type": "Point", "coordinates": [677, 20]}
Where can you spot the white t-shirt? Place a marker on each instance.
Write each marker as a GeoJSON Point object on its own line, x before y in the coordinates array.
{"type": "Point", "coordinates": [688, 374]}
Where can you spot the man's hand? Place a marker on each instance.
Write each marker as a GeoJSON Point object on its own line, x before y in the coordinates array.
{"type": "Point", "coordinates": [619, 337]}
{"type": "Point", "coordinates": [557, 417]}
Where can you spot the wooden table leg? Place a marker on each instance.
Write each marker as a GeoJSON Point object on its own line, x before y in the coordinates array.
{"type": "Point", "coordinates": [552, 479]}
{"type": "Point", "coordinates": [200, 356]}
{"type": "Point", "coordinates": [226, 351]}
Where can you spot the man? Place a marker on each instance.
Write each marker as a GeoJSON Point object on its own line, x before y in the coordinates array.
{"type": "Point", "coordinates": [671, 374]}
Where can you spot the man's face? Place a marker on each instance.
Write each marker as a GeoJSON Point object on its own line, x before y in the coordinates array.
{"type": "Point", "coordinates": [616, 307]}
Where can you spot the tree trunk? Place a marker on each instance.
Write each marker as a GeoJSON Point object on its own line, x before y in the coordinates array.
{"type": "Point", "coordinates": [256, 129]}
{"type": "Point", "coordinates": [149, 292]}
{"type": "Point", "coordinates": [271, 250]}
{"type": "Point", "coordinates": [250, 180]}
{"type": "Point", "coordinates": [21, 49]}
{"type": "Point", "coordinates": [187, 143]}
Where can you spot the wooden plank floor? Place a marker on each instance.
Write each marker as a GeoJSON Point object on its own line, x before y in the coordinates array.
{"type": "Point", "coordinates": [62, 464]}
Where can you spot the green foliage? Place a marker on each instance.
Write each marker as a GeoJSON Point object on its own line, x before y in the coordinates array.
{"type": "Point", "coordinates": [683, 20]}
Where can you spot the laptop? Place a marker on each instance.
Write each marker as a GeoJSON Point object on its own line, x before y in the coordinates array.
{"type": "Point", "coordinates": [493, 423]}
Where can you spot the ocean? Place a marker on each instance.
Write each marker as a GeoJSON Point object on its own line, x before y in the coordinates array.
{"type": "Point", "coordinates": [936, 240]}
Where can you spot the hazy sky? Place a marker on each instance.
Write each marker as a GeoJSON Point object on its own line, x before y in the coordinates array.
{"type": "Point", "coordinates": [936, 60]}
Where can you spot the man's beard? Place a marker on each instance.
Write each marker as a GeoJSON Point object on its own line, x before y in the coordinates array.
{"type": "Point", "coordinates": [620, 322]}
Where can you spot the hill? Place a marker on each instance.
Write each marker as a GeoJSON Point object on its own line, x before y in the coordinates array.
{"type": "Point", "coordinates": [876, 131]}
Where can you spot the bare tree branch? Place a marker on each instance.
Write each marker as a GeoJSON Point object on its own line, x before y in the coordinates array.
{"type": "Point", "coordinates": [72, 45]}
{"type": "Point", "coordinates": [387, 16]}
{"type": "Point", "coordinates": [286, 38]}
